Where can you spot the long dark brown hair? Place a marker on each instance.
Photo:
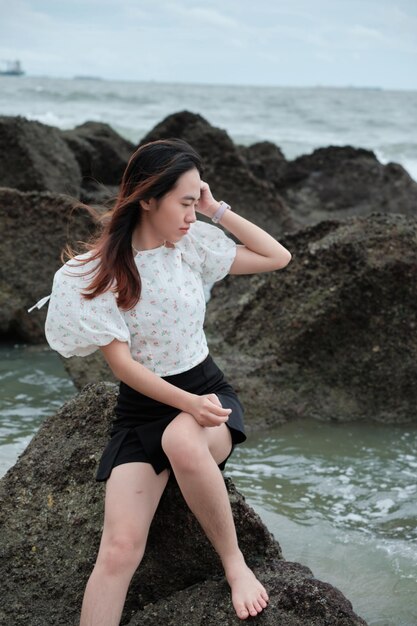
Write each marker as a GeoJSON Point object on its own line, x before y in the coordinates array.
{"type": "Point", "coordinates": [152, 171]}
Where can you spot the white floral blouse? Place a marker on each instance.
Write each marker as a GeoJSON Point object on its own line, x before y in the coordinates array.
{"type": "Point", "coordinates": [165, 328]}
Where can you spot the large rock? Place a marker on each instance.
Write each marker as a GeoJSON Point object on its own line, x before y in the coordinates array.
{"type": "Point", "coordinates": [227, 171]}
{"type": "Point", "coordinates": [37, 226]}
{"type": "Point", "coordinates": [50, 526]}
{"type": "Point", "coordinates": [309, 380]}
{"type": "Point", "coordinates": [34, 157]}
{"type": "Point", "coordinates": [333, 336]}
{"type": "Point", "coordinates": [88, 369]}
{"type": "Point", "coordinates": [102, 155]}
{"type": "Point", "coordinates": [334, 182]}
{"type": "Point", "coordinates": [296, 599]}
{"type": "Point", "coordinates": [265, 160]}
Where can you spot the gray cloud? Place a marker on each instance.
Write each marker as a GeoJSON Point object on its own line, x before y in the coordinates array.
{"type": "Point", "coordinates": [241, 41]}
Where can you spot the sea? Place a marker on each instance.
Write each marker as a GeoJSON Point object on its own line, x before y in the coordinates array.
{"type": "Point", "coordinates": [340, 498]}
{"type": "Point", "coordinates": [297, 119]}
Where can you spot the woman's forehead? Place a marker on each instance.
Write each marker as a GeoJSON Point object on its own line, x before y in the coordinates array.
{"type": "Point", "coordinates": [189, 184]}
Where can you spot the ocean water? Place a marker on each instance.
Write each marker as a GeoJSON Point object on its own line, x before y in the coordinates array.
{"type": "Point", "coordinates": [296, 119]}
{"type": "Point", "coordinates": [340, 498]}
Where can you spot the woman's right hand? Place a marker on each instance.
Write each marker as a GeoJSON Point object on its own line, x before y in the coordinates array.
{"type": "Point", "coordinates": [208, 411]}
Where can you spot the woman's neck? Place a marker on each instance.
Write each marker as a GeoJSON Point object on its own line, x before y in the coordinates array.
{"type": "Point", "coordinates": [145, 238]}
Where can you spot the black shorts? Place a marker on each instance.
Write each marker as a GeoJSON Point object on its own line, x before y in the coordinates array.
{"type": "Point", "coordinates": [137, 431]}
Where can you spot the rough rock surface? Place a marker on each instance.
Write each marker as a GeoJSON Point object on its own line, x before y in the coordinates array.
{"type": "Point", "coordinates": [325, 296]}
{"type": "Point", "coordinates": [265, 160]}
{"type": "Point", "coordinates": [333, 336]}
{"type": "Point", "coordinates": [296, 599]}
{"type": "Point", "coordinates": [38, 225]}
{"type": "Point", "coordinates": [50, 525]}
{"type": "Point", "coordinates": [34, 157]}
{"type": "Point", "coordinates": [334, 182]}
{"type": "Point", "coordinates": [227, 171]}
{"type": "Point", "coordinates": [102, 155]}
{"type": "Point", "coordinates": [88, 369]}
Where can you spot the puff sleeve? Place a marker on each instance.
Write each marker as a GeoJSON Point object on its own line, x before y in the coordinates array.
{"type": "Point", "coordinates": [76, 326]}
{"type": "Point", "coordinates": [208, 250]}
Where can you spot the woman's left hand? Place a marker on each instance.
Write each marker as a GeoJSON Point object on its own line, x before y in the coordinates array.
{"type": "Point", "coordinates": [207, 205]}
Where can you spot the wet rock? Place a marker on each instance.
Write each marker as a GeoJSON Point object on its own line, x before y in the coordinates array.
{"type": "Point", "coordinates": [38, 225]}
{"type": "Point", "coordinates": [333, 335]}
{"type": "Point", "coordinates": [266, 160]}
{"type": "Point", "coordinates": [51, 520]}
{"type": "Point", "coordinates": [296, 599]}
{"type": "Point", "coordinates": [50, 527]}
{"type": "Point", "coordinates": [227, 171]}
{"type": "Point", "coordinates": [88, 369]}
{"type": "Point", "coordinates": [331, 299]}
{"type": "Point", "coordinates": [342, 182]}
{"type": "Point", "coordinates": [34, 157]}
{"type": "Point", "coordinates": [102, 155]}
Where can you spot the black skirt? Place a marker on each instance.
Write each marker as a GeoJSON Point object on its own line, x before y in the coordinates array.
{"type": "Point", "coordinates": [137, 431]}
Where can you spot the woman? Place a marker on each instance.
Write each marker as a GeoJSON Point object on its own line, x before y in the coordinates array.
{"type": "Point", "coordinates": [137, 294]}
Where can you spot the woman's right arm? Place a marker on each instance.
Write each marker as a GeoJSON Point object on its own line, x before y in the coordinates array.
{"type": "Point", "coordinates": [206, 409]}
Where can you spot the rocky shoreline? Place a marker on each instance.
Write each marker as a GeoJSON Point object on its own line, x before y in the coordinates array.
{"type": "Point", "coordinates": [51, 518]}
{"type": "Point", "coordinates": [331, 337]}
{"type": "Point", "coordinates": [341, 318]}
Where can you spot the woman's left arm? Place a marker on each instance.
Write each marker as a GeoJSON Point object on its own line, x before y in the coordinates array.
{"type": "Point", "coordinates": [260, 252]}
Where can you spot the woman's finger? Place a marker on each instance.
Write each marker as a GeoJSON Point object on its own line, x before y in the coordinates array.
{"type": "Point", "coordinates": [214, 398]}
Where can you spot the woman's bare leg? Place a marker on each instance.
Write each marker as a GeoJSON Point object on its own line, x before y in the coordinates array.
{"type": "Point", "coordinates": [194, 452]}
{"type": "Point", "coordinates": [132, 495]}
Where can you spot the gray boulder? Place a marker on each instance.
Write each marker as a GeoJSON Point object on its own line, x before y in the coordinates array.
{"type": "Point", "coordinates": [88, 369]}
{"type": "Point", "coordinates": [265, 160]}
{"type": "Point", "coordinates": [50, 526]}
{"type": "Point", "coordinates": [291, 331]}
{"type": "Point", "coordinates": [36, 227]}
{"type": "Point", "coordinates": [102, 156]}
{"type": "Point", "coordinates": [333, 335]}
{"type": "Point", "coordinates": [335, 182]}
{"type": "Point", "coordinates": [296, 599]}
{"type": "Point", "coordinates": [34, 157]}
{"type": "Point", "coordinates": [227, 171]}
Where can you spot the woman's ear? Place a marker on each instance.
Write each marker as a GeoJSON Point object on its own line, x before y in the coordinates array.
{"type": "Point", "coordinates": [147, 205]}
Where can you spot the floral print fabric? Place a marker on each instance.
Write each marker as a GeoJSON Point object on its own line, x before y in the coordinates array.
{"type": "Point", "coordinates": [165, 328]}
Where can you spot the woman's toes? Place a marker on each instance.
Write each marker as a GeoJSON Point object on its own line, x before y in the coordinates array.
{"type": "Point", "coordinates": [263, 603]}
{"type": "Point", "coordinates": [265, 596]}
{"type": "Point", "coordinates": [248, 595]}
{"type": "Point", "coordinates": [258, 606]}
{"type": "Point", "coordinates": [243, 612]}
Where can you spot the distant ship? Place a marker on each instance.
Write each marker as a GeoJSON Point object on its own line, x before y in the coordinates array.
{"type": "Point", "coordinates": [11, 68]}
{"type": "Point", "coordinates": [86, 77]}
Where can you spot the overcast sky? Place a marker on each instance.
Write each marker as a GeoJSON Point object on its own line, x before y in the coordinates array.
{"type": "Point", "coordinates": [253, 42]}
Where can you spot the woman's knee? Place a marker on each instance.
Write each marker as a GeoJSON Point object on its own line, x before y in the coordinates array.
{"type": "Point", "coordinates": [184, 443]}
{"type": "Point", "coordinates": [120, 553]}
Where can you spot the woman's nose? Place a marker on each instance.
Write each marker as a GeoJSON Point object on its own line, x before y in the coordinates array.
{"type": "Point", "coordinates": [191, 216]}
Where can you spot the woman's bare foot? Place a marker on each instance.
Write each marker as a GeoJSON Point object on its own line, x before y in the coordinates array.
{"type": "Point", "coordinates": [248, 595]}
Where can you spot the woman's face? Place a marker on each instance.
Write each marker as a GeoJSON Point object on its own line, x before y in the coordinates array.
{"type": "Point", "coordinates": [169, 218]}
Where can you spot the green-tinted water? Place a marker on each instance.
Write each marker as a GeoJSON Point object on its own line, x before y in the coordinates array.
{"type": "Point", "coordinates": [340, 498]}
{"type": "Point", "coordinates": [33, 384]}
